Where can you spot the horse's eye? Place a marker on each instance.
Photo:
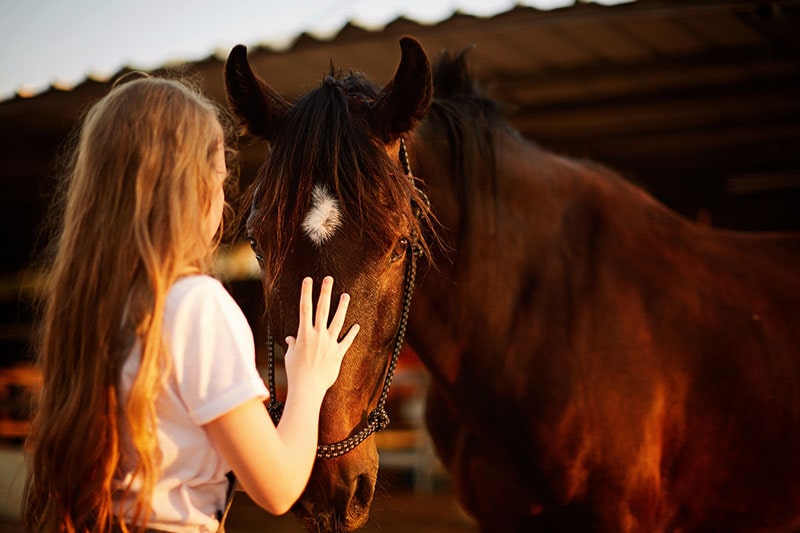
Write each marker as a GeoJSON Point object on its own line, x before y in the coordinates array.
{"type": "Point", "coordinates": [254, 246]}
{"type": "Point", "coordinates": [400, 249]}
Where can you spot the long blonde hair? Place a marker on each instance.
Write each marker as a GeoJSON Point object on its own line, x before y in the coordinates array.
{"type": "Point", "coordinates": [136, 192]}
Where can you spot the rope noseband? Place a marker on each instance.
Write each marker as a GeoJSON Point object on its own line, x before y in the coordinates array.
{"type": "Point", "coordinates": [377, 419]}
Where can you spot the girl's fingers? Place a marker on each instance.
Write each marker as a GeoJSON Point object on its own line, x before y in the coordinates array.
{"type": "Point", "coordinates": [306, 305]}
{"type": "Point", "coordinates": [338, 318]}
{"type": "Point", "coordinates": [348, 339]}
{"type": "Point", "coordinates": [324, 302]}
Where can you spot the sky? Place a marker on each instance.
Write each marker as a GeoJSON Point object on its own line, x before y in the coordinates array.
{"type": "Point", "coordinates": [61, 42]}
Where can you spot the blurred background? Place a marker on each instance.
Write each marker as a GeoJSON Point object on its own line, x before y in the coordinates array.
{"type": "Point", "coordinates": [696, 101]}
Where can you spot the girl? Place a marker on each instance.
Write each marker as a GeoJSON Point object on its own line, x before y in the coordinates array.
{"type": "Point", "coordinates": [150, 393]}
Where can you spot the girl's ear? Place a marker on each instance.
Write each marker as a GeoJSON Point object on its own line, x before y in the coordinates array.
{"type": "Point", "coordinates": [406, 98]}
{"type": "Point", "coordinates": [260, 109]}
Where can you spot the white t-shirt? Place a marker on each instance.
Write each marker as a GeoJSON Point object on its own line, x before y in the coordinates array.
{"type": "Point", "coordinates": [213, 371]}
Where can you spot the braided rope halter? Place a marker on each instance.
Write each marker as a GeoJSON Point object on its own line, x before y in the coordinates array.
{"type": "Point", "coordinates": [377, 419]}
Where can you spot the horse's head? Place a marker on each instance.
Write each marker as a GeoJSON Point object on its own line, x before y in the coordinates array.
{"type": "Point", "coordinates": [333, 198]}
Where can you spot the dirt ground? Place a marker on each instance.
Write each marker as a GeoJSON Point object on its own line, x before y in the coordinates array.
{"type": "Point", "coordinates": [395, 509]}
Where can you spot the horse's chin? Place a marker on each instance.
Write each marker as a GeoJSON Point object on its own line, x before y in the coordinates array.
{"type": "Point", "coordinates": [331, 522]}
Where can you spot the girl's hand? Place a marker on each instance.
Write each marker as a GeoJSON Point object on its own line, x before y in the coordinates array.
{"type": "Point", "coordinates": [315, 356]}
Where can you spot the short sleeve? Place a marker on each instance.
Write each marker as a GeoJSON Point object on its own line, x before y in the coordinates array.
{"type": "Point", "coordinates": [212, 348]}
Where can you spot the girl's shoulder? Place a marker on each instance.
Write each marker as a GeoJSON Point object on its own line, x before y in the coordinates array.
{"type": "Point", "coordinates": [196, 283]}
{"type": "Point", "coordinates": [199, 291]}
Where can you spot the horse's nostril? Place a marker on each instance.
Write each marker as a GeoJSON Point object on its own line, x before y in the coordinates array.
{"type": "Point", "coordinates": [362, 497]}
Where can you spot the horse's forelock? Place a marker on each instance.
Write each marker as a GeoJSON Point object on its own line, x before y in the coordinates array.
{"type": "Point", "coordinates": [327, 142]}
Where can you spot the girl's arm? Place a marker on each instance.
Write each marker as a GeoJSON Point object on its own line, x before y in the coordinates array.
{"type": "Point", "coordinates": [273, 464]}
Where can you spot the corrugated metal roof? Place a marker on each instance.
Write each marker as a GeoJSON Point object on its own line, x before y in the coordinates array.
{"type": "Point", "coordinates": [321, 29]}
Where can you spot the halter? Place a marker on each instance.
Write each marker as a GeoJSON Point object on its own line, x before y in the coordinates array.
{"type": "Point", "coordinates": [378, 419]}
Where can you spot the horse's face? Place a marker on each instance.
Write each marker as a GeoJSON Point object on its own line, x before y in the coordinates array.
{"type": "Point", "coordinates": [332, 199]}
{"type": "Point", "coordinates": [341, 489]}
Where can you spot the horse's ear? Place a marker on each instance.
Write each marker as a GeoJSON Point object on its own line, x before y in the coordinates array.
{"type": "Point", "coordinates": [406, 98]}
{"type": "Point", "coordinates": [255, 104]}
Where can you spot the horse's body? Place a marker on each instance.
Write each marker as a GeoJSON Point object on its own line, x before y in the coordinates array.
{"type": "Point", "coordinates": [599, 363]}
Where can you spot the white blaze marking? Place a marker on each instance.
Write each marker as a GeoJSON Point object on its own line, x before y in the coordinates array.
{"type": "Point", "coordinates": [324, 216]}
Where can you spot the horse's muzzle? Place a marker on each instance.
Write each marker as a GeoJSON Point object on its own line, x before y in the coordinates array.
{"type": "Point", "coordinates": [344, 509]}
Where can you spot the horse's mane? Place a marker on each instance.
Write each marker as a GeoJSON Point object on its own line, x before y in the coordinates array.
{"type": "Point", "coordinates": [323, 142]}
{"type": "Point", "coordinates": [468, 122]}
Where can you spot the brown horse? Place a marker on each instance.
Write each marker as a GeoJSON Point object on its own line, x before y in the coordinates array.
{"type": "Point", "coordinates": [599, 363]}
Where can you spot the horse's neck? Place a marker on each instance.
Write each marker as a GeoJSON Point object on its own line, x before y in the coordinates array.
{"type": "Point", "coordinates": [455, 307]}
{"type": "Point", "coordinates": [542, 206]}
{"type": "Point", "coordinates": [556, 227]}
